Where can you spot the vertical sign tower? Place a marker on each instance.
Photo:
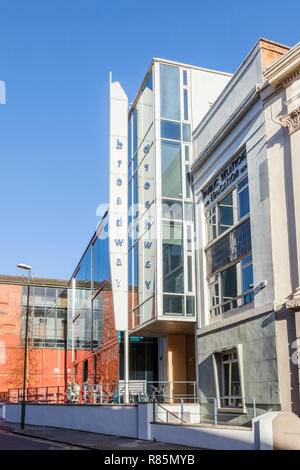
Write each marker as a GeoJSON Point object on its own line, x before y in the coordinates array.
{"type": "Point", "coordinates": [118, 220]}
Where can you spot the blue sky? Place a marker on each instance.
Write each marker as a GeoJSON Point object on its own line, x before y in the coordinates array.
{"type": "Point", "coordinates": [55, 58]}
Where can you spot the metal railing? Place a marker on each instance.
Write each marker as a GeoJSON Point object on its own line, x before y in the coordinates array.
{"type": "Point", "coordinates": [140, 391]}
{"type": "Point", "coordinates": [225, 410]}
{"type": "Point", "coordinates": [234, 302]}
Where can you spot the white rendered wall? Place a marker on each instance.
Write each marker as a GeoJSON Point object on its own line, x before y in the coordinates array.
{"type": "Point", "coordinates": [114, 420]}
{"type": "Point", "coordinates": [206, 87]}
{"type": "Point", "coordinates": [135, 421]}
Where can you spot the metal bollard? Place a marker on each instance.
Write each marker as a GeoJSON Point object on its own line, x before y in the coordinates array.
{"type": "Point", "coordinates": [254, 407]}
{"type": "Point", "coordinates": [215, 412]}
{"type": "Point", "coordinates": [154, 411]}
{"type": "Point", "coordinates": [182, 411]}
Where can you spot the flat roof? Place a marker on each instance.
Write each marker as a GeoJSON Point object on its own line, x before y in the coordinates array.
{"type": "Point", "coordinates": [35, 281]}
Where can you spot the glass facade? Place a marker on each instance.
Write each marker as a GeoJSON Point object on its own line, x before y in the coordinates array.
{"type": "Point", "coordinates": [141, 222]}
{"type": "Point", "coordinates": [47, 321]}
{"type": "Point", "coordinates": [177, 236]}
{"type": "Point", "coordinates": [85, 301]}
{"type": "Point", "coordinates": [160, 213]}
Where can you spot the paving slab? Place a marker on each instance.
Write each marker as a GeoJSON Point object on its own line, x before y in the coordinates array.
{"type": "Point", "coordinates": [89, 440]}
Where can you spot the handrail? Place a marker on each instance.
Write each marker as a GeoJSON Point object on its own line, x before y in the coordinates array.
{"type": "Point", "coordinates": [233, 299]}
{"type": "Point", "coordinates": [170, 412]}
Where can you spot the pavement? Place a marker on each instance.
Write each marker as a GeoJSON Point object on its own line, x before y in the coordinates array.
{"type": "Point", "coordinates": [79, 439]}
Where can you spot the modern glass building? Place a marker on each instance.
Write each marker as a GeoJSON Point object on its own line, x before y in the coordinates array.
{"type": "Point", "coordinates": [141, 278]}
{"type": "Point", "coordinates": [161, 266]}
{"type": "Point", "coordinates": [97, 347]}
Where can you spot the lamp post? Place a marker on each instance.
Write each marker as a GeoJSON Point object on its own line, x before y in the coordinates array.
{"type": "Point", "coordinates": [27, 268]}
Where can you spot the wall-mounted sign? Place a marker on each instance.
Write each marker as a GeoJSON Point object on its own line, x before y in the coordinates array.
{"type": "Point", "coordinates": [118, 241]}
{"type": "Point", "coordinates": [229, 176]}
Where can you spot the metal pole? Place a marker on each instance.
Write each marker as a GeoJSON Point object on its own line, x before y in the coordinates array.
{"type": "Point", "coordinates": [215, 412]}
{"type": "Point", "coordinates": [254, 407]}
{"type": "Point", "coordinates": [73, 315]}
{"type": "Point", "coordinates": [182, 411]}
{"type": "Point", "coordinates": [25, 356]}
{"type": "Point", "coordinates": [126, 364]}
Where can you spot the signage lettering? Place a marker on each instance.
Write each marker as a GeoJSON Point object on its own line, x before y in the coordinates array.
{"type": "Point", "coordinates": [119, 145]}
{"type": "Point", "coordinates": [225, 178]}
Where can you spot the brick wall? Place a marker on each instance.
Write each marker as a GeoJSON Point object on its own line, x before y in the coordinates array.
{"type": "Point", "coordinates": [271, 51]}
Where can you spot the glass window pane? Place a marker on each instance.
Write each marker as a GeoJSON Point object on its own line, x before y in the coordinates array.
{"type": "Point", "coordinates": [185, 105]}
{"type": "Point", "coordinates": [229, 285]}
{"type": "Point", "coordinates": [235, 378]}
{"type": "Point", "coordinates": [186, 132]}
{"type": "Point", "coordinates": [173, 277]}
{"type": "Point", "coordinates": [227, 200]}
{"type": "Point", "coordinates": [185, 77]}
{"type": "Point", "coordinates": [187, 181]}
{"type": "Point", "coordinates": [171, 169]}
{"type": "Point", "coordinates": [173, 304]}
{"type": "Point", "coordinates": [171, 209]}
{"type": "Point", "coordinates": [244, 202]}
{"type": "Point", "coordinates": [247, 260]}
{"type": "Point", "coordinates": [214, 295]}
{"type": "Point", "coordinates": [170, 130]}
{"type": "Point", "coordinates": [101, 267]}
{"type": "Point", "coordinates": [169, 92]}
{"type": "Point", "coordinates": [247, 278]}
{"type": "Point", "coordinates": [243, 183]}
{"type": "Point", "coordinates": [149, 83]}
{"type": "Point", "coordinates": [187, 153]}
{"type": "Point", "coordinates": [189, 238]}
{"type": "Point", "coordinates": [226, 216]}
{"type": "Point", "coordinates": [190, 306]}
{"type": "Point", "coordinates": [188, 211]}
{"type": "Point", "coordinates": [190, 273]}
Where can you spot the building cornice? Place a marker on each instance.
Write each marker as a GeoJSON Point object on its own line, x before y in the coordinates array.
{"type": "Point", "coordinates": [285, 69]}
{"type": "Point", "coordinates": [291, 120]}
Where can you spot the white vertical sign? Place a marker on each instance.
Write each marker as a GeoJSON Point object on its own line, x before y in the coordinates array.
{"type": "Point", "coordinates": [118, 194]}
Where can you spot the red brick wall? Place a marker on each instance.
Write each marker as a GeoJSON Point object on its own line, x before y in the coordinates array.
{"type": "Point", "coordinates": [46, 367]}
{"type": "Point", "coordinates": [271, 52]}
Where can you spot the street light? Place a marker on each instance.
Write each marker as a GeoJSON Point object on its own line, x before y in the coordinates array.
{"type": "Point", "coordinates": [27, 268]}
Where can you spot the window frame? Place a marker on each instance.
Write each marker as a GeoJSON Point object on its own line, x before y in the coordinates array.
{"type": "Point", "coordinates": [236, 212]}
{"type": "Point", "coordinates": [239, 300]}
